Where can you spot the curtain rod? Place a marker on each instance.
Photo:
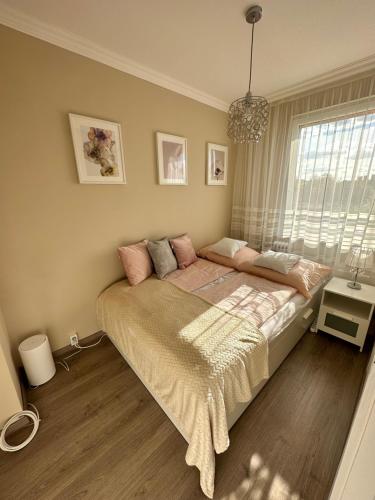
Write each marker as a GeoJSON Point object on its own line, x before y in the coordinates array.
{"type": "Point", "coordinates": [370, 75]}
{"type": "Point", "coordinates": [370, 99]}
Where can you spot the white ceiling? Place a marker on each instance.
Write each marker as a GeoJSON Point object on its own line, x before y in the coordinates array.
{"type": "Point", "coordinates": [205, 44]}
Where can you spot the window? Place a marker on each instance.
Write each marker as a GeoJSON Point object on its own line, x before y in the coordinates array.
{"type": "Point", "coordinates": [331, 188]}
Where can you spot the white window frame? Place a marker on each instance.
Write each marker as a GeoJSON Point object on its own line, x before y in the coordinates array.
{"type": "Point", "coordinates": [336, 112]}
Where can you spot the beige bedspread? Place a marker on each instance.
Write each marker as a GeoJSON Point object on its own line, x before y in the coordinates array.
{"type": "Point", "coordinates": [198, 359]}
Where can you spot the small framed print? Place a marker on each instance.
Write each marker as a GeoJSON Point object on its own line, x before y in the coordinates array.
{"type": "Point", "coordinates": [98, 150]}
{"type": "Point", "coordinates": [217, 165]}
{"type": "Point", "coordinates": [172, 159]}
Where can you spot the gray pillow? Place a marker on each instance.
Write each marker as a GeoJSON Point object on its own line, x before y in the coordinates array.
{"type": "Point", "coordinates": [162, 257]}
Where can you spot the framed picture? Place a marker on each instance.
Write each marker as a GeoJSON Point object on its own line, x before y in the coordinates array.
{"type": "Point", "coordinates": [172, 159]}
{"type": "Point", "coordinates": [217, 165]}
{"type": "Point", "coordinates": [98, 150]}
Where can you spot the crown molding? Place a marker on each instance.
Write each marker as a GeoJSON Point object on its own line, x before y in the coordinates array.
{"type": "Point", "coordinates": [357, 67]}
{"type": "Point", "coordinates": [80, 45]}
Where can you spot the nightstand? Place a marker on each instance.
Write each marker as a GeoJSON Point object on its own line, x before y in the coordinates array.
{"type": "Point", "coordinates": [346, 313]}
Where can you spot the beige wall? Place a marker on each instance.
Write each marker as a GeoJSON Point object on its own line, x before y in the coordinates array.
{"type": "Point", "coordinates": [10, 391]}
{"type": "Point", "coordinates": [58, 238]}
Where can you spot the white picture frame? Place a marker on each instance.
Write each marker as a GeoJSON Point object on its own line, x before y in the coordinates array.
{"type": "Point", "coordinates": [172, 159]}
{"type": "Point", "coordinates": [217, 160]}
{"type": "Point", "coordinates": [98, 150]}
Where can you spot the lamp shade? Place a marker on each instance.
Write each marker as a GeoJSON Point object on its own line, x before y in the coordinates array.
{"type": "Point", "coordinates": [360, 258]}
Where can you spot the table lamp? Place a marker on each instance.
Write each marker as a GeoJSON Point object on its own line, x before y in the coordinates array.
{"type": "Point", "coordinates": [359, 259]}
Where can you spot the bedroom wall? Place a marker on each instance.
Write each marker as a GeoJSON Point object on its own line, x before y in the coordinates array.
{"type": "Point", "coordinates": [59, 237]}
{"type": "Point", "coordinates": [10, 390]}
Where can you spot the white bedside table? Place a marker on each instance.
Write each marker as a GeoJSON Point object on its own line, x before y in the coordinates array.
{"type": "Point", "coordinates": [346, 313]}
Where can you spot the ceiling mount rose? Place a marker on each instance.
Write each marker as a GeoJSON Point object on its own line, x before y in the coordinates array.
{"type": "Point", "coordinates": [248, 116]}
{"type": "Point", "coordinates": [254, 14]}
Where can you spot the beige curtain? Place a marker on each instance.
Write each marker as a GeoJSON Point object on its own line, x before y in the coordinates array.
{"type": "Point", "coordinates": [261, 201]}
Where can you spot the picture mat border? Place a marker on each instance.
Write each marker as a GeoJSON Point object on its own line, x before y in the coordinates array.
{"type": "Point", "coordinates": [219, 147]}
{"type": "Point", "coordinates": [75, 122]}
{"type": "Point", "coordinates": [160, 137]}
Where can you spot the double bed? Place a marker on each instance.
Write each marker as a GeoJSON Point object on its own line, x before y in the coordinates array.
{"type": "Point", "coordinates": [204, 341]}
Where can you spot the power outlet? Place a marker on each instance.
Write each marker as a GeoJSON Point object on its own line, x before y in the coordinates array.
{"type": "Point", "coordinates": [74, 340]}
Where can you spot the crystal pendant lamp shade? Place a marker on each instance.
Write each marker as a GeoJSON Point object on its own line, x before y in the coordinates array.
{"type": "Point", "coordinates": [248, 116]}
{"type": "Point", "coordinates": [248, 119]}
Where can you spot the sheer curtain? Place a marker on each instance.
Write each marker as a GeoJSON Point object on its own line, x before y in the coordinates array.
{"type": "Point", "coordinates": [311, 181]}
{"type": "Point", "coordinates": [332, 171]}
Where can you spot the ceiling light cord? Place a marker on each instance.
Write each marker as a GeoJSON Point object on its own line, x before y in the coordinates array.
{"type": "Point", "coordinates": [251, 55]}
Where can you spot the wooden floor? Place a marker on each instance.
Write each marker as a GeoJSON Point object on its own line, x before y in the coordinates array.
{"type": "Point", "coordinates": [102, 436]}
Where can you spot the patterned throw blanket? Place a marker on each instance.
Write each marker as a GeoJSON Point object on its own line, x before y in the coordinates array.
{"type": "Point", "coordinates": [198, 359]}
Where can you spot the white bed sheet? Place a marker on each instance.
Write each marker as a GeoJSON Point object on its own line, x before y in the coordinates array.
{"type": "Point", "coordinates": [276, 323]}
{"type": "Point", "coordinates": [272, 327]}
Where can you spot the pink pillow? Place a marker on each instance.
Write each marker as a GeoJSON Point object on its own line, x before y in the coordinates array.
{"type": "Point", "coordinates": [136, 262]}
{"type": "Point", "coordinates": [245, 254]}
{"type": "Point", "coordinates": [303, 276]}
{"type": "Point", "coordinates": [184, 251]}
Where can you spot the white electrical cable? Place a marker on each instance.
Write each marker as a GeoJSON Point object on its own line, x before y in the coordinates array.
{"type": "Point", "coordinates": [79, 348]}
{"type": "Point", "coordinates": [64, 363]}
{"type": "Point", "coordinates": [33, 415]}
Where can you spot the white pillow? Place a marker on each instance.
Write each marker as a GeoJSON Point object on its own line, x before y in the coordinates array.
{"type": "Point", "coordinates": [228, 247]}
{"type": "Point", "coordinates": [278, 261]}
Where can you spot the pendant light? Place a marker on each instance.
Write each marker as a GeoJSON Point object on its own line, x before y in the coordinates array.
{"type": "Point", "coordinates": [248, 116]}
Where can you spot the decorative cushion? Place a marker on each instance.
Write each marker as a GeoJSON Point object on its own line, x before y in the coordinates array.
{"type": "Point", "coordinates": [162, 257]}
{"type": "Point", "coordinates": [303, 276]}
{"type": "Point", "coordinates": [184, 251]}
{"type": "Point", "coordinates": [136, 262]}
{"type": "Point", "coordinates": [245, 254]}
{"type": "Point", "coordinates": [228, 247]}
{"type": "Point", "coordinates": [278, 261]}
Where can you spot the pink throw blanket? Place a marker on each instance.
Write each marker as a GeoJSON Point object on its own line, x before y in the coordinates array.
{"type": "Point", "coordinates": [244, 295]}
{"type": "Point", "coordinates": [198, 274]}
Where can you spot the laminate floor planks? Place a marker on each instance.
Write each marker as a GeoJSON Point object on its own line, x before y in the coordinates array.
{"type": "Point", "coordinates": [102, 435]}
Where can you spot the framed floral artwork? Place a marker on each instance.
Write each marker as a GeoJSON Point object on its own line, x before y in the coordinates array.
{"type": "Point", "coordinates": [172, 159]}
{"type": "Point", "coordinates": [217, 165]}
{"type": "Point", "coordinates": [98, 150]}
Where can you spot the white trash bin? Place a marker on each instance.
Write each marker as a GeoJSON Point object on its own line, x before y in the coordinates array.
{"type": "Point", "coordinates": [37, 359]}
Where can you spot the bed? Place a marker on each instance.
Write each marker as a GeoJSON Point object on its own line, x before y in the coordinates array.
{"type": "Point", "coordinates": [204, 341]}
